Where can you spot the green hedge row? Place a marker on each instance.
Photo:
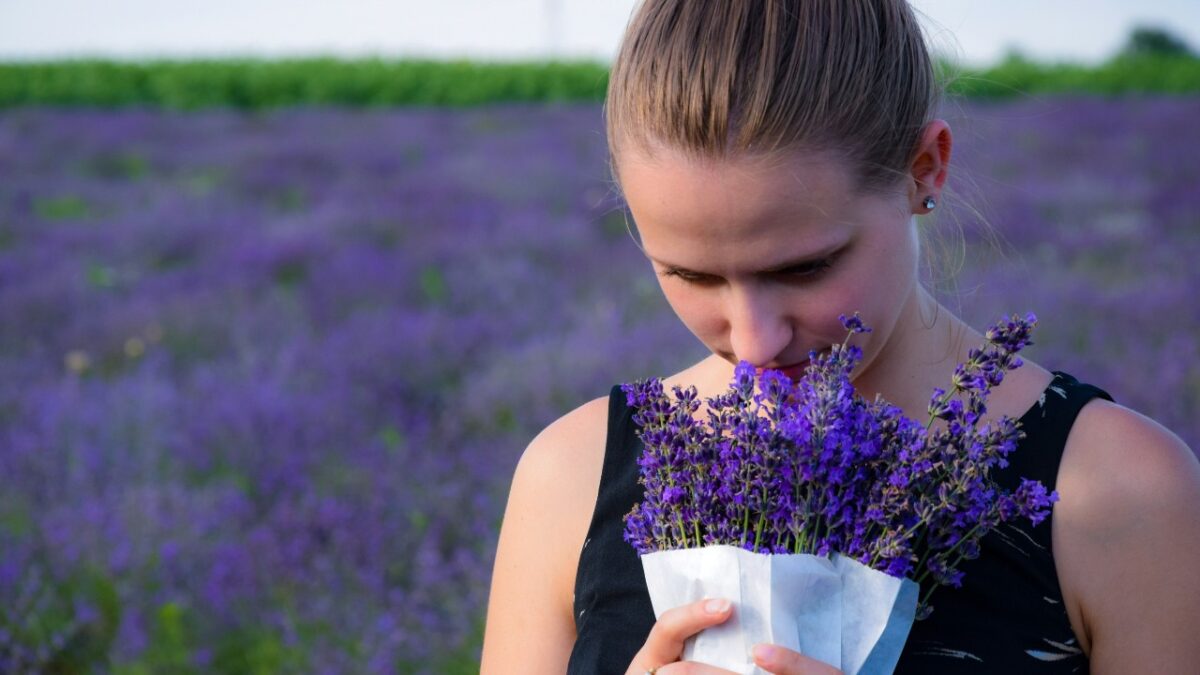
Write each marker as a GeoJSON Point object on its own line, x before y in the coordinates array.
{"type": "Point", "coordinates": [1120, 76]}
{"type": "Point", "coordinates": [323, 81]}
{"type": "Point", "coordinates": [253, 84]}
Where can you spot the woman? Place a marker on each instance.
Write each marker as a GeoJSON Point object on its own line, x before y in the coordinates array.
{"type": "Point", "coordinates": [774, 155]}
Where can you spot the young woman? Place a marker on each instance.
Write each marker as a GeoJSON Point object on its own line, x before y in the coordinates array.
{"type": "Point", "coordinates": [774, 155]}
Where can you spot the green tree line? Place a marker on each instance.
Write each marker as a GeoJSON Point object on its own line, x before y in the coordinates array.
{"type": "Point", "coordinates": [1152, 62]}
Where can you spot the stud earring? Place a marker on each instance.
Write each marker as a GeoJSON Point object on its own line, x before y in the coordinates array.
{"type": "Point", "coordinates": [929, 203]}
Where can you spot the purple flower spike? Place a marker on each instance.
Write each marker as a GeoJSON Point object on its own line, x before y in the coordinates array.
{"type": "Point", "coordinates": [853, 324]}
{"type": "Point", "coordinates": [809, 466]}
{"type": "Point", "coordinates": [743, 379]}
{"type": "Point", "coordinates": [1012, 334]}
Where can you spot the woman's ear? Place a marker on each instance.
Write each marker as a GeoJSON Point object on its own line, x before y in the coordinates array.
{"type": "Point", "coordinates": [929, 166]}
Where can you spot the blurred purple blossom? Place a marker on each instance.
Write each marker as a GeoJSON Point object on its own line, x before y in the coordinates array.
{"type": "Point", "coordinates": [274, 370]}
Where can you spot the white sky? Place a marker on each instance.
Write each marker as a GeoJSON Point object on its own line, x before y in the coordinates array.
{"type": "Point", "coordinates": [1085, 31]}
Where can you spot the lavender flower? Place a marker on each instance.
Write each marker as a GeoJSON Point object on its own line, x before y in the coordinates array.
{"type": "Point", "coordinates": [812, 467]}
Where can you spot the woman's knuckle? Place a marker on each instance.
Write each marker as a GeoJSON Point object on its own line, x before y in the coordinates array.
{"type": "Point", "coordinates": [661, 638]}
{"type": "Point", "coordinates": [678, 619]}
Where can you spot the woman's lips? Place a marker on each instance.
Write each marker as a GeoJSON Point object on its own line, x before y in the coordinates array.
{"type": "Point", "coordinates": [794, 371]}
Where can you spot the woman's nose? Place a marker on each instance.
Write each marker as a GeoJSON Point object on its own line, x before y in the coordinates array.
{"type": "Point", "coordinates": [759, 329]}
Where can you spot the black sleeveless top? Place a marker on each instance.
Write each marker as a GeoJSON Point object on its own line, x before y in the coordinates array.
{"type": "Point", "coordinates": [1007, 617]}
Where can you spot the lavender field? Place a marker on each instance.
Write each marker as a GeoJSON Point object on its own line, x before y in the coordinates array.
{"type": "Point", "coordinates": [264, 377]}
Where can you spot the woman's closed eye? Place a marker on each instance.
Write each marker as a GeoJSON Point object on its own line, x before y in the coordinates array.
{"type": "Point", "coordinates": [806, 272]}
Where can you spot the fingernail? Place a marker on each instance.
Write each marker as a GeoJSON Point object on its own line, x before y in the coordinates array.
{"type": "Point", "coordinates": [764, 653]}
{"type": "Point", "coordinates": [716, 606]}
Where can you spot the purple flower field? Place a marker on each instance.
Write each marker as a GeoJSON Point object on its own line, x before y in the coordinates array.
{"type": "Point", "coordinates": [264, 377]}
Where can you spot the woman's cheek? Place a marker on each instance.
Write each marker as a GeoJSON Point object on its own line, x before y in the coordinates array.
{"type": "Point", "coordinates": [693, 308]}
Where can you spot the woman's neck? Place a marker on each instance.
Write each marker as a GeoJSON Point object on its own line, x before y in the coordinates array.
{"type": "Point", "coordinates": [921, 353]}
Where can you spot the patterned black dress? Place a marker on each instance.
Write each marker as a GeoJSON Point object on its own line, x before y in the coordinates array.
{"type": "Point", "coordinates": [1008, 616]}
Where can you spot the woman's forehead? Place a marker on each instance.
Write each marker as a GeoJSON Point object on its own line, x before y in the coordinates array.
{"type": "Point", "coordinates": [738, 202]}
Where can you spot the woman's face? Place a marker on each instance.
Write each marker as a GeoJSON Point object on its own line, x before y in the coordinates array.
{"type": "Point", "coordinates": [758, 260]}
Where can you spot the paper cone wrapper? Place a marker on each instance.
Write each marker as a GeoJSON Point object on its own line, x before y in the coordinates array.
{"type": "Point", "coordinates": [833, 609]}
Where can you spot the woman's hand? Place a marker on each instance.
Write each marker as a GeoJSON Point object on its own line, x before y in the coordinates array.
{"type": "Point", "coordinates": [783, 661]}
{"type": "Point", "coordinates": [664, 646]}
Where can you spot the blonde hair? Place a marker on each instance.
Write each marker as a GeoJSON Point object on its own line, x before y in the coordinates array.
{"type": "Point", "coordinates": [721, 79]}
{"type": "Point", "coordinates": [717, 79]}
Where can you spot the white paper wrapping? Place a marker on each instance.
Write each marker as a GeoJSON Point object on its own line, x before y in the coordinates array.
{"type": "Point", "coordinates": [834, 609]}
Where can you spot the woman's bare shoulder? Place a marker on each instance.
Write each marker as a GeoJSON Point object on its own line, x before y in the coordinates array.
{"type": "Point", "coordinates": [1127, 539]}
{"type": "Point", "coordinates": [530, 627]}
{"type": "Point", "coordinates": [561, 469]}
{"type": "Point", "coordinates": [1116, 458]}
{"type": "Point", "coordinates": [566, 459]}
{"type": "Point", "coordinates": [579, 430]}
{"type": "Point", "coordinates": [563, 465]}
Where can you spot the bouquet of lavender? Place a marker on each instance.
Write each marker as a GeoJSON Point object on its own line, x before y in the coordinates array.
{"type": "Point", "coordinates": [818, 512]}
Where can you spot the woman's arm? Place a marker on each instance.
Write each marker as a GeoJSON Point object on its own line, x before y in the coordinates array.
{"type": "Point", "coordinates": [529, 624]}
{"type": "Point", "coordinates": [1129, 541]}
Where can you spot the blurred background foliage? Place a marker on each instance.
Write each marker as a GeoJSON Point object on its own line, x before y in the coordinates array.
{"type": "Point", "coordinates": [1153, 60]}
